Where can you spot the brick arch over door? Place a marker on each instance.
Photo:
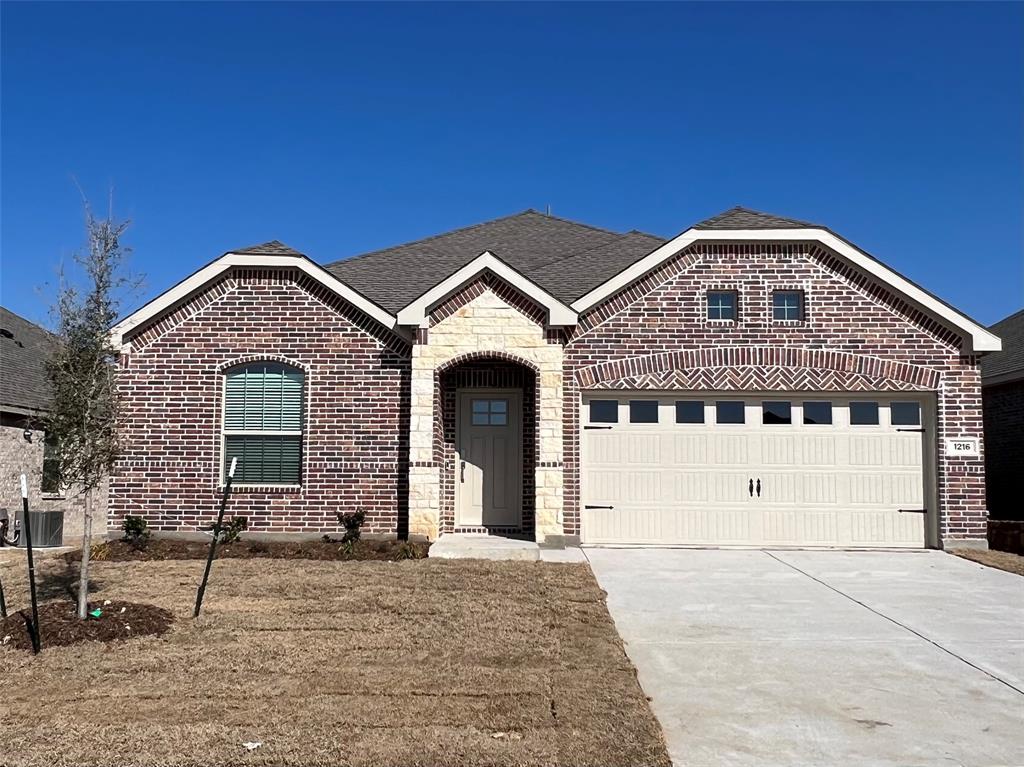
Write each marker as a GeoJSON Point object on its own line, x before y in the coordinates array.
{"type": "Point", "coordinates": [485, 370]}
{"type": "Point", "coordinates": [758, 367]}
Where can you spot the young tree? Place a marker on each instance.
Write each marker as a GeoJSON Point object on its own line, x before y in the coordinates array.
{"type": "Point", "coordinates": [82, 371]}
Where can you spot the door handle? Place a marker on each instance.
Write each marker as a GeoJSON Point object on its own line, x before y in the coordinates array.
{"type": "Point", "coordinates": [750, 487]}
{"type": "Point", "coordinates": [758, 487]}
{"type": "Point", "coordinates": [462, 472]}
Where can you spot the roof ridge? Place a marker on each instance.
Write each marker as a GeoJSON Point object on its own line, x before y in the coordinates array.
{"type": "Point", "coordinates": [741, 209]}
{"type": "Point", "coordinates": [1008, 317]}
{"type": "Point", "coordinates": [437, 236]}
{"type": "Point", "coordinates": [27, 321]}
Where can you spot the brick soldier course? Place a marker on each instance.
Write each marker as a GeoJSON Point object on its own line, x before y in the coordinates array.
{"type": "Point", "coordinates": [530, 302]}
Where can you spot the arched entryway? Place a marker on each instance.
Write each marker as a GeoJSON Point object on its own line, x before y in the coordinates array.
{"type": "Point", "coordinates": [485, 443]}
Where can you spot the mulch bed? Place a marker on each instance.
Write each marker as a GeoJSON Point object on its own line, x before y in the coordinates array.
{"type": "Point", "coordinates": [161, 549]}
{"type": "Point", "coordinates": [61, 626]}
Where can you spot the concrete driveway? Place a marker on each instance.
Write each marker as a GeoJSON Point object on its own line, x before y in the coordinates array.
{"type": "Point", "coordinates": [823, 658]}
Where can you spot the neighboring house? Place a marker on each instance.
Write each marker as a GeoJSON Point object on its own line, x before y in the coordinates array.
{"type": "Point", "coordinates": [1002, 387]}
{"type": "Point", "coordinates": [24, 448]}
{"type": "Point", "coordinates": [754, 380]}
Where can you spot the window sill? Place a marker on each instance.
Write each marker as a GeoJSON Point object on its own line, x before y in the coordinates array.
{"type": "Point", "coordinates": [54, 497]}
{"type": "Point", "coordinates": [265, 488]}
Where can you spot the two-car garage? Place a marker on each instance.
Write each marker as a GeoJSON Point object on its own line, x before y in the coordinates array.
{"type": "Point", "coordinates": [816, 469]}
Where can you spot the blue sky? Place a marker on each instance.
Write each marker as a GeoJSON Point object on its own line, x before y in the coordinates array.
{"type": "Point", "coordinates": [343, 128]}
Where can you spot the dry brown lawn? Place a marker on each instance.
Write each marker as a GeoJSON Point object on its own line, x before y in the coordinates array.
{"type": "Point", "coordinates": [1001, 560]}
{"type": "Point", "coordinates": [334, 663]}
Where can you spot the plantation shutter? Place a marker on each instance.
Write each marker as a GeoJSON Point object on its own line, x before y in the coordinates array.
{"type": "Point", "coordinates": [263, 423]}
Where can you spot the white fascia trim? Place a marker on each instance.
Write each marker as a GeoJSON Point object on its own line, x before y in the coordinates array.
{"type": "Point", "coordinates": [977, 338]}
{"type": "Point", "coordinates": [189, 285]}
{"type": "Point", "coordinates": [416, 312]}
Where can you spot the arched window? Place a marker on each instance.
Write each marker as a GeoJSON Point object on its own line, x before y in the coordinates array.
{"type": "Point", "coordinates": [263, 423]}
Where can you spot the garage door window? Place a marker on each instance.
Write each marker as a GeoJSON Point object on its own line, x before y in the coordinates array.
{"type": "Point", "coordinates": [689, 411]}
{"type": "Point", "coordinates": [863, 413]}
{"type": "Point", "coordinates": [643, 411]}
{"type": "Point", "coordinates": [905, 413]}
{"type": "Point", "coordinates": [817, 413]}
{"type": "Point", "coordinates": [776, 413]}
{"type": "Point", "coordinates": [729, 411]}
{"type": "Point", "coordinates": [604, 411]}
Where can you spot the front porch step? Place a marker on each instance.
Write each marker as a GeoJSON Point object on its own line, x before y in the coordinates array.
{"type": "Point", "coordinates": [479, 546]}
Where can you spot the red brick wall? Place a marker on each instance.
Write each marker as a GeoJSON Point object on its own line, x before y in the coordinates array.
{"type": "Point", "coordinates": [357, 391]}
{"type": "Point", "coordinates": [855, 335]}
{"type": "Point", "coordinates": [1004, 454]}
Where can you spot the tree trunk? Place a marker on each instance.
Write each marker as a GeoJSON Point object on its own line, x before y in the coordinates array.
{"type": "Point", "coordinates": [83, 581]}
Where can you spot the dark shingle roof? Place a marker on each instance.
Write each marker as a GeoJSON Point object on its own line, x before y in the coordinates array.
{"type": "Point", "coordinates": [745, 218]}
{"type": "Point", "coordinates": [571, 277]}
{"type": "Point", "coordinates": [527, 242]}
{"type": "Point", "coordinates": [24, 348]}
{"type": "Point", "coordinates": [272, 248]}
{"type": "Point", "coordinates": [1011, 358]}
{"type": "Point", "coordinates": [564, 257]}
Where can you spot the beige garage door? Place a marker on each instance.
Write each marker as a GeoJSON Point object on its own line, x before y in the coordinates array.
{"type": "Point", "coordinates": [807, 470]}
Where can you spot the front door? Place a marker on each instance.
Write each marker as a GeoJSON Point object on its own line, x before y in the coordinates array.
{"type": "Point", "coordinates": [489, 458]}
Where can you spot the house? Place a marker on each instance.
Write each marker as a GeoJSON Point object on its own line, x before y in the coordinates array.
{"type": "Point", "coordinates": [1002, 389]}
{"type": "Point", "coordinates": [24, 447]}
{"type": "Point", "coordinates": [755, 380]}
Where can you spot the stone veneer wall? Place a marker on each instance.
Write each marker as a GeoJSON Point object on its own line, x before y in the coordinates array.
{"type": "Point", "coordinates": [17, 456]}
{"type": "Point", "coordinates": [485, 319]}
{"type": "Point", "coordinates": [856, 335]}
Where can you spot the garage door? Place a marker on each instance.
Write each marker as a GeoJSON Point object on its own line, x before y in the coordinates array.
{"type": "Point", "coordinates": [815, 470]}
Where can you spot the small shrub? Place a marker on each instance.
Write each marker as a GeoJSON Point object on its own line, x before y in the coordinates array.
{"type": "Point", "coordinates": [348, 548]}
{"type": "Point", "coordinates": [100, 552]}
{"type": "Point", "coordinates": [352, 521]}
{"type": "Point", "coordinates": [230, 530]}
{"type": "Point", "coordinates": [135, 532]}
{"type": "Point", "coordinates": [408, 550]}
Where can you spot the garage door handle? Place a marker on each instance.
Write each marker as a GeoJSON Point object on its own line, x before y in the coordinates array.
{"type": "Point", "coordinates": [758, 487]}
{"type": "Point", "coordinates": [587, 506]}
{"type": "Point", "coordinates": [750, 487]}
{"type": "Point", "coordinates": [462, 472]}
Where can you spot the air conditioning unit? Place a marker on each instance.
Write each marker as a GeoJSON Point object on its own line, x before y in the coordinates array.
{"type": "Point", "coordinates": [47, 528]}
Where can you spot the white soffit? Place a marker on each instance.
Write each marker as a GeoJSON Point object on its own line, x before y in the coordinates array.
{"type": "Point", "coordinates": [977, 338]}
{"type": "Point", "coordinates": [189, 285]}
{"type": "Point", "coordinates": [416, 312]}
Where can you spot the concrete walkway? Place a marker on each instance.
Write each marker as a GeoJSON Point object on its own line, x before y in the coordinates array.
{"type": "Point", "coordinates": [824, 658]}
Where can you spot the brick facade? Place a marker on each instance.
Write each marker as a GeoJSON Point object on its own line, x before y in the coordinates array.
{"type": "Point", "coordinates": [380, 428]}
{"type": "Point", "coordinates": [355, 448]}
{"type": "Point", "coordinates": [855, 336]}
{"type": "Point", "coordinates": [1004, 438]}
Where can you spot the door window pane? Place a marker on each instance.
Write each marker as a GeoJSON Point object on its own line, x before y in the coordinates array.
{"type": "Point", "coordinates": [776, 413]}
{"type": "Point", "coordinates": [729, 411]}
{"type": "Point", "coordinates": [787, 305]}
{"type": "Point", "coordinates": [604, 411]}
{"type": "Point", "coordinates": [817, 413]}
{"type": "Point", "coordinates": [905, 413]}
{"type": "Point", "coordinates": [864, 413]}
{"type": "Point", "coordinates": [490, 412]}
{"type": "Point", "coordinates": [643, 411]}
{"type": "Point", "coordinates": [721, 305]}
{"type": "Point", "coordinates": [689, 411]}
